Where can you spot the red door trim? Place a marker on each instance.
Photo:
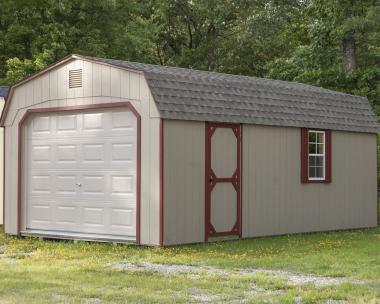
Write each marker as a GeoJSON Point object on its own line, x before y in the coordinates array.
{"type": "Point", "coordinates": [207, 174]}
{"type": "Point", "coordinates": [235, 180]}
{"type": "Point", "coordinates": [126, 104]}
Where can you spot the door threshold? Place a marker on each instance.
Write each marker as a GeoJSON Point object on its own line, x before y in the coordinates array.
{"type": "Point", "coordinates": [65, 235]}
{"type": "Point", "coordinates": [223, 238]}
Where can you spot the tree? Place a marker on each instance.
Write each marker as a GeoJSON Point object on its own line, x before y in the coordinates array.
{"type": "Point", "coordinates": [330, 43]}
{"type": "Point", "coordinates": [192, 33]}
{"type": "Point", "coordinates": [341, 51]}
{"type": "Point", "coordinates": [38, 32]}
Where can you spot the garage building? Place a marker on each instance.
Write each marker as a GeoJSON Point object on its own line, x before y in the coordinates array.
{"type": "Point", "coordinates": [112, 150]}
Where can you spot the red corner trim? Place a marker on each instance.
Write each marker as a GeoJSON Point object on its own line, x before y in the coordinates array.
{"type": "Point", "coordinates": [328, 171]}
{"type": "Point", "coordinates": [305, 156]}
{"type": "Point", "coordinates": [241, 182]}
{"type": "Point", "coordinates": [138, 176]}
{"type": "Point", "coordinates": [161, 181]}
{"type": "Point", "coordinates": [4, 178]}
{"type": "Point", "coordinates": [126, 104]}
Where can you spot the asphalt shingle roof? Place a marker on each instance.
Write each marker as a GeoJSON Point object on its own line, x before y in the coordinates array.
{"type": "Point", "coordinates": [207, 96]}
{"type": "Point", "coordinates": [3, 91]}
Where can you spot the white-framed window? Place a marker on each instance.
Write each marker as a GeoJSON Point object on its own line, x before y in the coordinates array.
{"type": "Point", "coordinates": [316, 155]}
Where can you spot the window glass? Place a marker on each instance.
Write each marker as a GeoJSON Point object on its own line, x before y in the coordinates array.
{"type": "Point", "coordinates": [316, 166]}
{"type": "Point", "coordinates": [319, 149]}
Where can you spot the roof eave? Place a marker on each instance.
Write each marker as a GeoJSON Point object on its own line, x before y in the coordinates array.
{"type": "Point", "coordinates": [49, 68]}
{"type": "Point", "coordinates": [28, 78]}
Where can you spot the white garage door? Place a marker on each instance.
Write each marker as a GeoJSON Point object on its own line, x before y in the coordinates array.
{"type": "Point", "coordinates": [80, 170]}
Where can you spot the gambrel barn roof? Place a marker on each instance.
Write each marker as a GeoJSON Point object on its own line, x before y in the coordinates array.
{"type": "Point", "coordinates": [207, 96]}
{"type": "Point", "coordinates": [189, 94]}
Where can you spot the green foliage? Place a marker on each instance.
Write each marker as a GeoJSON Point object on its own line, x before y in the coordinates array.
{"type": "Point", "coordinates": [290, 40]}
{"type": "Point", "coordinates": [40, 32]}
{"type": "Point", "coordinates": [18, 69]}
{"type": "Point", "coordinates": [319, 61]}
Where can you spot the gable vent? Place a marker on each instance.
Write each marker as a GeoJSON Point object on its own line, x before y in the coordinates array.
{"type": "Point", "coordinates": [75, 78]}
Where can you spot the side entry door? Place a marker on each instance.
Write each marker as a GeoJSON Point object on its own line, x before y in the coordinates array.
{"type": "Point", "coordinates": [223, 180]}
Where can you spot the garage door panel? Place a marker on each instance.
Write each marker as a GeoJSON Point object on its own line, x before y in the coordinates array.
{"type": "Point", "coordinates": [40, 214]}
{"type": "Point", "coordinates": [110, 154]}
{"type": "Point", "coordinates": [122, 152]}
{"type": "Point", "coordinates": [94, 185]}
{"type": "Point", "coordinates": [93, 216]}
{"type": "Point", "coordinates": [123, 218]}
{"type": "Point", "coordinates": [65, 153]}
{"type": "Point", "coordinates": [123, 221]}
{"type": "Point", "coordinates": [66, 215]}
{"type": "Point", "coordinates": [66, 184]}
{"type": "Point", "coordinates": [94, 152]}
{"type": "Point", "coordinates": [122, 185]}
{"type": "Point", "coordinates": [102, 217]}
{"type": "Point", "coordinates": [123, 121]}
{"type": "Point", "coordinates": [82, 172]}
{"type": "Point", "coordinates": [93, 122]}
{"type": "Point", "coordinates": [41, 184]}
{"type": "Point", "coordinates": [41, 126]}
{"type": "Point", "coordinates": [41, 154]}
{"type": "Point", "coordinates": [66, 123]}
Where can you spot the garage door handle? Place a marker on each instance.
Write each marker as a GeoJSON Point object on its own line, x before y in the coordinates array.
{"type": "Point", "coordinates": [79, 184]}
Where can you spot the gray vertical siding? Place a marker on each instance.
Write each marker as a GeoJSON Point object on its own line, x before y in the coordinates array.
{"type": "Point", "coordinates": [274, 200]}
{"type": "Point", "coordinates": [184, 186]}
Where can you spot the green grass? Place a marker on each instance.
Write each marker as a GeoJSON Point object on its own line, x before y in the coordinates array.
{"type": "Point", "coordinates": [33, 271]}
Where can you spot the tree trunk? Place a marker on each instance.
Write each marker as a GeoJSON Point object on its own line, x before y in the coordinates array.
{"type": "Point", "coordinates": [349, 54]}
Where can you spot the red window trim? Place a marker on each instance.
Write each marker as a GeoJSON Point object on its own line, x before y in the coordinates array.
{"type": "Point", "coordinates": [305, 157]}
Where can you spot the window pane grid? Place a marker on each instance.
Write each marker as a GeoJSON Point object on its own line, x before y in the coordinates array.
{"type": "Point", "coordinates": [316, 159]}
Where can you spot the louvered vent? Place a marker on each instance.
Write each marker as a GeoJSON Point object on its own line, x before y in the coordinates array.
{"type": "Point", "coordinates": [75, 78]}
